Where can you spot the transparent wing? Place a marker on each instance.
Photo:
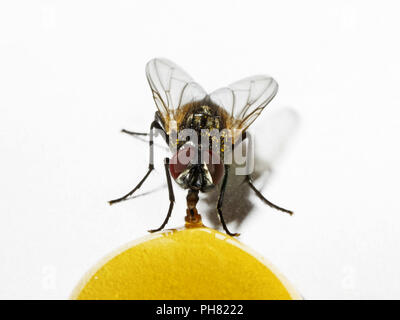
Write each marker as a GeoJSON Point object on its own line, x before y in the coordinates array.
{"type": "Point", "coordinates": [171, 86]}
{"type": "Point", "coordinates": [245, 99]}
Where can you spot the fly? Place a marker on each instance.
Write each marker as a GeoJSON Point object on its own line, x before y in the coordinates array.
{"type": "Point", "coordinates": [200, 128]}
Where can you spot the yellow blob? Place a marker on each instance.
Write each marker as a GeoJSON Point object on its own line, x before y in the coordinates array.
{"type": "Point", "coordinates": [193, 263]}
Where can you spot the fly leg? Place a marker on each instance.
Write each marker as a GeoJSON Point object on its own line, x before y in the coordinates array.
{"type": "Point", "coordinates": [221, 199]}
{"type": "Point", "coordinates": [156, 125]}
{"type": "Point", "coordinates": [133, 133]}
{"type": "Point", "coordinates": [259, 194]}
{"type": "Point", "coordinates": [171, 196]}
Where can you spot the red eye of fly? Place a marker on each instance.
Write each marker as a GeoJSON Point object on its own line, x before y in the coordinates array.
{"type": "Point", "coordinates": [180, 161]}
{"type": "Point", "coordinates": [215, 167]}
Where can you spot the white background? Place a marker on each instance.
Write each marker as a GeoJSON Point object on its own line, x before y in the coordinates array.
{"type": "Point", "coordinates": [72, 75]}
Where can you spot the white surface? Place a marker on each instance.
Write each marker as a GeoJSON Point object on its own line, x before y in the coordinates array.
{"type": "Point", "coordinates": [72, 75]}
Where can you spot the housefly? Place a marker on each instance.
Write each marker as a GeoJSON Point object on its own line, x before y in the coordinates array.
{"type": "Point", "coordinates": [200, 128]}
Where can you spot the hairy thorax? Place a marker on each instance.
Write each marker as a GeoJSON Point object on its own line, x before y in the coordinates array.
{"type": "Point", "coordinates": [202, 115]}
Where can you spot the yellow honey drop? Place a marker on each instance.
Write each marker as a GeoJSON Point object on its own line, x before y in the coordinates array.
{"type": "Point", "coordinates": [188, 263]}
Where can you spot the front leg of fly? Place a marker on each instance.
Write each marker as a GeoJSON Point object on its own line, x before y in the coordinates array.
{"type": "Point", "coordinates": [154, 125]}
{"type": "Point", "coordinates": [171, 196]}
{"type": "Point", "coordinates": [220, 201]}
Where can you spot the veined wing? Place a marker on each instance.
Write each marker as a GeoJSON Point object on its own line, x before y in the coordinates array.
{"type": "Point", "coordinates": [245, 99]}
{"type": "Point", "coordinates": [172, 87]}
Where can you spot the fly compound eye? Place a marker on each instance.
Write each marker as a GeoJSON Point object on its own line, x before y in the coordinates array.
{"type": "Point", "coordinates": [215, 166]}
{"type": "Point", "coordinates": [181, 160]}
